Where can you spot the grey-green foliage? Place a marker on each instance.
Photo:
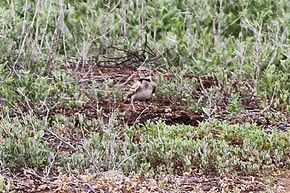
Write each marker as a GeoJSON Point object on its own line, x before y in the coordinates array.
{"type": "Point", "coordinates": [183, 26]}
{"type": "Point", "coordinates": [212, 146]}
{"type": "Point", "coordinates": [100, 151]}
{"type": "Point", "coordinates": [157, 147]}
{"type": "Point", "coordinates": [22, 144]}
{"type": "Point", "coordinates": [154, 147]}
{"type": "Point", "coordinates": [38, 91]}
{"type": "Point", "coordinates": [275, 86]}
{"type": "Point", "coordinates": [252, 36]}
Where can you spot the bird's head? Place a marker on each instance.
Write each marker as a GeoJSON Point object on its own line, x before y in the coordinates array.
{"type": "Point", "coordinates": [145, 74]}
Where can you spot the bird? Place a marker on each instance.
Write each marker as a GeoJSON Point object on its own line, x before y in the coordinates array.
{"type": "Point", "coordinates": [141, 90]}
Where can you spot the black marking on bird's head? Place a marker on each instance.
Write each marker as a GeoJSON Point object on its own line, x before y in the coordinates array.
{"type": "Point", "coordinates": [144, 79]}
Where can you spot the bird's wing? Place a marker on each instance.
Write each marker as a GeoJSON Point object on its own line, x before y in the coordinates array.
{"type": "Point", "coordinates": [133, 89]}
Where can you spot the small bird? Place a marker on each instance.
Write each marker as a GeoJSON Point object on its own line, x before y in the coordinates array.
{"type": "Point", "coordinates": [141, 90]}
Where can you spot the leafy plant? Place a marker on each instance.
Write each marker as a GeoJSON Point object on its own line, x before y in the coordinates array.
{"type": "Point", "coordinates": [22, 145]}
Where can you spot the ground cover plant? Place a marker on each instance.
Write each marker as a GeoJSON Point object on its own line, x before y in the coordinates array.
{"type": "Point", "coordinates": [219, 120]}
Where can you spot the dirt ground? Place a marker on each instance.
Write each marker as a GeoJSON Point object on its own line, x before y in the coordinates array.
{"type": "Point", "coordinates": [162, 108]}
{"type": "Point", "coordinates": [154, 109]}
{"type": "Point", "coordinates": [116, 181]}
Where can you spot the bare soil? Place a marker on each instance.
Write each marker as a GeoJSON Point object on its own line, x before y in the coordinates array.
{"type": "Point", "coordinates": [154, 109]}
{"type": "Point", "coordinates": [171, 111]}
{"type": "Point", "coordinates": [116, 181]}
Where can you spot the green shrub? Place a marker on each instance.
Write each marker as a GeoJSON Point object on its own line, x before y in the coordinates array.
{"type": "Point", "coordinates": [22, 144]}
{"type": "Point", "coordinates": [159, 148]}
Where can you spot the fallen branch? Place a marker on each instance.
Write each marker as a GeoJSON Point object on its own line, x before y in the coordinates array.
{"type": "Point", "coordinates": [61, 139]}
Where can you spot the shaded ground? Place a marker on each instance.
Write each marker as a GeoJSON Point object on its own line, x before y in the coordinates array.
{"type": "Point", "coordinates": [155, 110]}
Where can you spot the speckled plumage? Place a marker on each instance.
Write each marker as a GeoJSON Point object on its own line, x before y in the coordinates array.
{"type": "Point", "coordinates": [141, 90]}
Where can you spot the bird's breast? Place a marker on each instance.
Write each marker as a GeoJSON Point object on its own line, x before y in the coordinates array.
{"type": "Point", "coordinates": [143, 94]}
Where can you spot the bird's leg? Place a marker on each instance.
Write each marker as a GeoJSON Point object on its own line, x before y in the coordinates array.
{"type": "Point", "coordinates": [132, 104]}
{"type": "Point", "coordinates": [129, 108]}
{"type": "Point", "coordinates": [144, 104]}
